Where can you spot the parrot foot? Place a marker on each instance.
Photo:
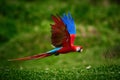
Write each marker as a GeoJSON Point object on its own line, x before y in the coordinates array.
{"type": "Point", "coordinates": [56, 54]}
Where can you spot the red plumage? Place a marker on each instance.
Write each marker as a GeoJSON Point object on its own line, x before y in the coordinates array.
{"type": "Point", "coordinates": [62, 38]}
{"type": "Point", "coordinates": [60, 35]}
{"type": "Point", "coordinates": [31, 57]}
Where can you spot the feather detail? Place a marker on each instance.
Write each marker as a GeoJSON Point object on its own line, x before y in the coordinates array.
{"type": "Point", "coordinates": [31, 57]}
{"type": "Point", "coordinates": [60, 36]}
{"type": "Point", "coordinates": [72, 39]}
{"type": "Point", "coordinates": [69, 22]}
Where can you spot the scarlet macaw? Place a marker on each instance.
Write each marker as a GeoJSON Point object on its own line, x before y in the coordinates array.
{"type": "Point", "coordinates": [63, 36]}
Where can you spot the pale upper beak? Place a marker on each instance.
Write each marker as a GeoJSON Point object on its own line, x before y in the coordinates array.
{"type": "Point", "coordinates": [81, 50]}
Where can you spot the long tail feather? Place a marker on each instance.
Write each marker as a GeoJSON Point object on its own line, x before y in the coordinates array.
{"type": "Point", "coordinates": [31, 57]}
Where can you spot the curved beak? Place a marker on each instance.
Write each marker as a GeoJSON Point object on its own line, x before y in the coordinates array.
{"type": "Point", "coordinates": [81, 50]}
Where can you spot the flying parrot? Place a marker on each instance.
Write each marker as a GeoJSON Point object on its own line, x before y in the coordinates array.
{"type": "Point", "coordinates": [63, 35]}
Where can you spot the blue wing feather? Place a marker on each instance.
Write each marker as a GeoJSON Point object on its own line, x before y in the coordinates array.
{"type": "Point", "coordinates": [54, 50]}
{"type": "Point", "coordinates": [69, 22]}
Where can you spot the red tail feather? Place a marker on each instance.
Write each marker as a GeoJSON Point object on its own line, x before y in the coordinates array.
{"type": "Point", "coordinates": [31, 57]}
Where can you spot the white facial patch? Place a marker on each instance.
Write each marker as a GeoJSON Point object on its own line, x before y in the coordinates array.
{"type": "Point", "coordinates": [78, 48]}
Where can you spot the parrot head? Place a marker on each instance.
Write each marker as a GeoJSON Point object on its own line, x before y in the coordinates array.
{"type": "Point", "coordinates": [79, 49]}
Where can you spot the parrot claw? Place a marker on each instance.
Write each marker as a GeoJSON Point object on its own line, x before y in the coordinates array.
{"type": "Point", "coordinates": [57, 54]}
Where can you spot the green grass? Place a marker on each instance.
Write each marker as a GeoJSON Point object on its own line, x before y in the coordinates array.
{"type": "Point", "coordinates": [89, 65]}
{"type": "Point", "coordinates": [110, 72]}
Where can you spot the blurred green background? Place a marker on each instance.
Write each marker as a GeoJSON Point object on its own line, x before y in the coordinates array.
{"type": "Point", "coordinates": [25, 30]}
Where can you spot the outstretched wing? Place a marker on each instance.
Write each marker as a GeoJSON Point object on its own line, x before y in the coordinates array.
{"type": "Point", "coordinates": [69, 22]}
{"type": "Point", "coordinates": [60, 36]}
